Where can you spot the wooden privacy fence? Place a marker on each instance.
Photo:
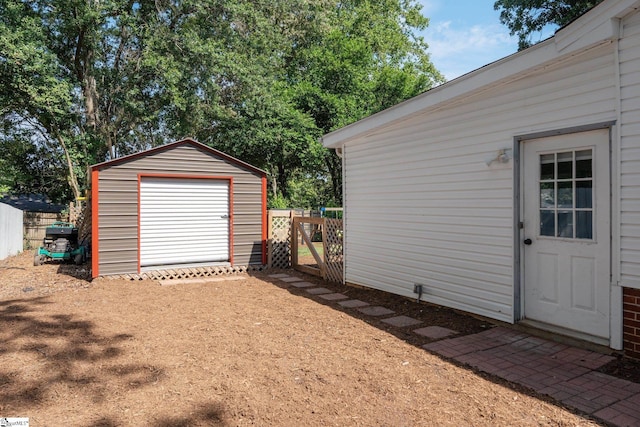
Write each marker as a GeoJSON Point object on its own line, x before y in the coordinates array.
{"type": "Point", "coordinates": [288, 233]}
{"type": "Point", "coordinates": [35, 226]}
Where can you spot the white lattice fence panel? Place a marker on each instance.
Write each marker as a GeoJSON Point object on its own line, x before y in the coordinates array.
{"type": "Point", "coordinates": [334, 251]}
{"type": "Point", "coordinates": [191, 273]}
{"type": "Point", "coordinates": [280, 241]}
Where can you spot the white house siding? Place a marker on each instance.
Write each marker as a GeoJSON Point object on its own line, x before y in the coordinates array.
{"type": "Point", "coordinates": [422, 206]}
{"type": "Point", "coordinates": [630, 152]}
{"type": "Point", "coordinates": [11, 230]}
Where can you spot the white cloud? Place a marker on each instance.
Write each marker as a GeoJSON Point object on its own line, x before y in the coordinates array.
{"type": "Point", "coordinates": [429, 7]}
{"type": "Point", "coordinates": [455, 51]}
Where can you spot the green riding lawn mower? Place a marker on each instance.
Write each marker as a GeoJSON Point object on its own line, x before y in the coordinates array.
{"type": "Point", "coordinates": [61, 243]}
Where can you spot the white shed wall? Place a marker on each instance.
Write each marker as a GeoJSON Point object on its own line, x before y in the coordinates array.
{"type": "Point", "coordinates": [11, 231]}
{"type": "Point", "coordinates": [421, 204]}
{"type": "Point", "coordinates": [630, 152]}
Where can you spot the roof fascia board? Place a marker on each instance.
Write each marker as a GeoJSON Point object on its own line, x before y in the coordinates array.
{"type": "Point", "coordinates": [186, 141]}
{"type": "Point", "coordinates": [595, 26]}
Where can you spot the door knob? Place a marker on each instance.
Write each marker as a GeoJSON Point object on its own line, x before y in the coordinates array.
{"type": "Point", "coordinates": [528, 241]}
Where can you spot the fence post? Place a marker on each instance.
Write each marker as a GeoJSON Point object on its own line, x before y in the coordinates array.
{"type": "Point", "coordinates": [324, 248]}
{"type": "Point", "coordinates": [294, 240]}
{"type": "Point", "coordinates": [270, 239]}
{"type": "Point", "coordinates": [279, 237]}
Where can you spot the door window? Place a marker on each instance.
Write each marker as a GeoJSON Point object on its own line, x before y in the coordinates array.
{"type": "Point", "coordinates": [566, 194]}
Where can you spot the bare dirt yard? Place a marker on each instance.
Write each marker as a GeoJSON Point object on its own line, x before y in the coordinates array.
{"type": "Point", "coordinates": [244, 351]}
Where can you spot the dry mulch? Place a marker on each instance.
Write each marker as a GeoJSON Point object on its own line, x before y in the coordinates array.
{"type": "Point", "coordinates": [232, 353]}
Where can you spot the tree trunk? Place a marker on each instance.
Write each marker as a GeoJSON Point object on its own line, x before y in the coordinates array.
{"type": "Point", "coordinates": [110, 145]}
{"type": "Point", "coordinates": [274, 185]}
{"type": "Point", "coordinates": [91, 100]}
{"type": "Point", "coordinates": [334, 165]}
{"type": "Point", "coordinates": [282, 180]}
{"type": "Point", "coordinates": [73, 179]}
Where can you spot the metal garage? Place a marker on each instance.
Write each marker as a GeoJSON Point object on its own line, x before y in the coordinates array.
{"type": "Point", "coordinates": [181, 205]}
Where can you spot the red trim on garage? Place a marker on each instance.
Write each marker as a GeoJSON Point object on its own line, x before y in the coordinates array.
{"type": "Point", "coordinates": [231, 208]}
{"type": "Point", "coordinates": [95, 252]}
{"type": "Point", "coordinates": [138, 227]}
{"type": "Point", "coordinates": [264, 220]}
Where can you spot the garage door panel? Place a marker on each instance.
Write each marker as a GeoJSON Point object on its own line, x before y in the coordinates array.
{"type": "Point", "coordinates": [184, 232]}
{"type": "Point", "coordinates": [183, 221]}
{"type": "Point", "coordinates": [186, 241]}
{"type": "Point", "coordinates": [178, 259]}
{"type": "Point", "coordinates": [169, 225]}
{"type": "Point", "coordinates": [205, 204]}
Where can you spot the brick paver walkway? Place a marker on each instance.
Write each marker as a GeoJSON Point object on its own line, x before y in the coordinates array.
{"type": "Point", "coordinates": [565, 373]}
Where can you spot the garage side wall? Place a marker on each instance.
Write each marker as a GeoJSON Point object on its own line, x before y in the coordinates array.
{"type": "Point", "coordinates": [118, 205]}
{"type": "Point", "coordinates": [422, 206]}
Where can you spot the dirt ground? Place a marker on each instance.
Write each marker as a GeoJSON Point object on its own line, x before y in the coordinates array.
{"type": "Point", "coordinates": [234, 352]}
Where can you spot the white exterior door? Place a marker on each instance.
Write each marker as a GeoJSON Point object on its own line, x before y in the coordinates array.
{"type": "Point", "coordinates": [566, 235]}
{"type": "Point", "coordinates": [183, 221]}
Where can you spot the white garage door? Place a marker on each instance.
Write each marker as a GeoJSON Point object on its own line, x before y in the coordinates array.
{"type": "Point", "coordinates": [183, 221]}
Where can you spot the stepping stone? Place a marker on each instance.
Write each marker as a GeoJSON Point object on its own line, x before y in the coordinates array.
{"type": "Point", "coordinates": [291, 279]}
{"type": "Point", "coordinates": [333, 297]}
{"type": "Point", "coordinates": [401, 321]}
{"type": "Point", "coordinates": [279, 275]}
{"type": "Point", "coordinates": [318, 291]}
{"type": "Point", "coordinates": [435, 332]}
{"type": "Point", "coordinates": [375, 311]}
{"type": "Point", "coordinates": [353, 303]}
{"type": "Point", "coordinates": [302, 284]}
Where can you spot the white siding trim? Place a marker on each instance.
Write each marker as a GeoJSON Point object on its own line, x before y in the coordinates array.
{"type": "Point", "coordinates": [629, 153]}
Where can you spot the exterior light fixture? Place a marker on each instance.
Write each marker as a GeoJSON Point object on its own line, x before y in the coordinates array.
{"type": "Point", "coordinates": [501, 157]}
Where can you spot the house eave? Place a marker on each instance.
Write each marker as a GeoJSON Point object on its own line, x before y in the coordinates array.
{"type": "Point", "coordinates": [463, 85]}
{"type": "Point", "coordinates": [593, 29]}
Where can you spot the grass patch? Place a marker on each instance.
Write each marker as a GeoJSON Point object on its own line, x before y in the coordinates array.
{"type": "Point", "coordinates": [304, 251]}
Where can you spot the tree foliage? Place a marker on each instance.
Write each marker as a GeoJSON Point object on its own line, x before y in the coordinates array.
{"type": "Point", "coordinates": [84, 81]}
{"type": "Point", "coordinates": [527, 17]}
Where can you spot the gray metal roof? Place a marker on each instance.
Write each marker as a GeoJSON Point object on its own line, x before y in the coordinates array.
{"type": "Point", "coordinates": [32, 203]}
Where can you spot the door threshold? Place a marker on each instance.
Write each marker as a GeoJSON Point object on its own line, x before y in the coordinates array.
{"type": "Point", "coordinates": [565, 336]}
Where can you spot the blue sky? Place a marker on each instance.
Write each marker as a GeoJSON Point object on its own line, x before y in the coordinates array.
{"type": "Point", "coordinates": [464, 35]}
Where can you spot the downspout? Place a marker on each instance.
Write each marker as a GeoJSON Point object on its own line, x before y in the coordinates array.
{"type": "Point", "coordinates": [340, 152]}
{"type": "Point", "coordinates": [616, 320]}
